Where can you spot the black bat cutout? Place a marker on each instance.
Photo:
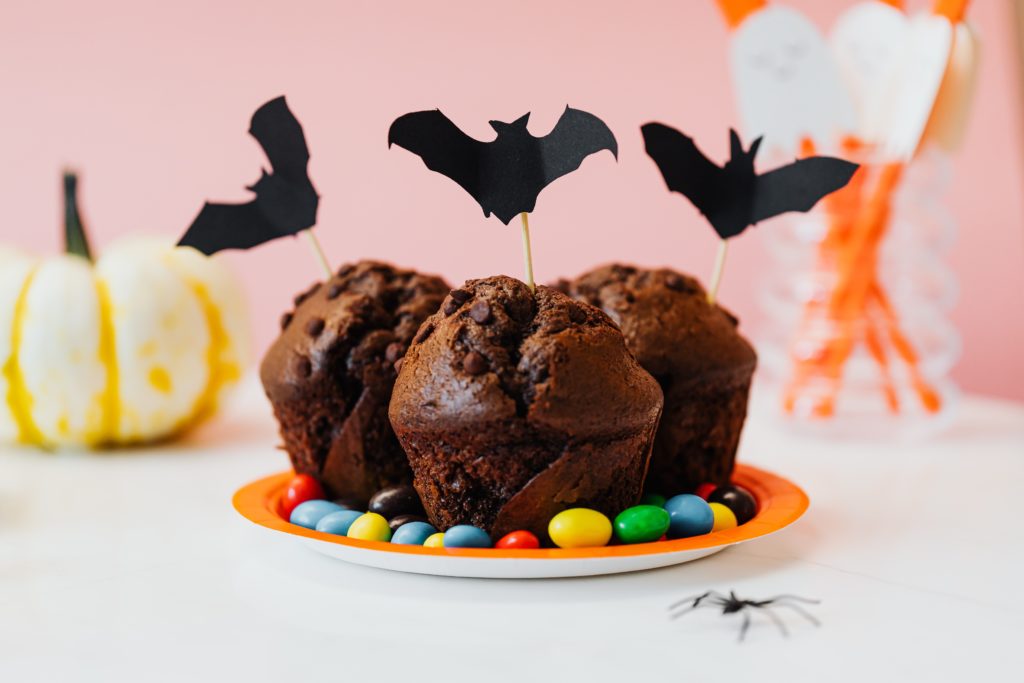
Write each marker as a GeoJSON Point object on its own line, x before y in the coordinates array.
{"type": "Point", "coordinates": [504, 175]}
{"type": "Point", "coordinates": [734, 196]}
{"type": "Point", "coordinates": [286, 201]}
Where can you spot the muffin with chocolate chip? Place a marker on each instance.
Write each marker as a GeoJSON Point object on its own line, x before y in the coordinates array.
{"type": "Point", "coordinates": [693, 349]}
{"type": "Point", "coordinates": [513, 405]}
{"type": "Point", "coordinates": [330, 373]}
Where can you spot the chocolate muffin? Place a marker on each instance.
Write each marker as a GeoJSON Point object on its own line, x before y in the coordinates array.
{"type": "Point", "coordinates": [330, 373]}
{"type": "Point", "coordinates": [514, 405]}
{"type": "Point", "coordinates": [697, 355]}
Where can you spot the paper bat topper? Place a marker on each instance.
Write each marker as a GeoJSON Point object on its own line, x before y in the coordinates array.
{"type": "Point", "coordinates": [505, 175]}
{"type": "Point", "coordinates": [286, 201]}
{"type": "Point", "coordinates": [734, 196]}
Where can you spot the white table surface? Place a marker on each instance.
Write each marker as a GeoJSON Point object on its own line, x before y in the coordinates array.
{"type": "Point", "coordinates": [133, 566]}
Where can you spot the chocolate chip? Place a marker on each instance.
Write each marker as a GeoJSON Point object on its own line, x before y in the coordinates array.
{"type": "Point", "coordinates": [577, 314]}
{"type": "Point", "coordinates": [302, 296]}
{"type": "Point", "coordinates": [733, 319]}
{"type": "Point", "coordinates": [474, 363]}
{"type": "Point", "coordinates": [394, 352]}
{"type": "Point", "coordinates": [335, 290]}
{"type": "Point", "coordinates": [628, 296]}
{"type": "Point", "coordinates": [398, 365]}
{"type": "Point", "coordinates": [480, 312]}
{"type": "Point", "coordinates": [460, 295]}
{"type": "Point", "coordinates": [346, 269]}
{"type": "Point", "coordinates": [303, 368]}
{"type": "Point", "coordinates": [286, 320]}
{"type": "Point", "coordinates": [424, 332]}
{"type": "Point", "coordinates": [673, 281]}
{"type": "Point", "coordinates": [562, 285]}
{"type": "Point", "coordinates": [450, 306]}
{"type": "Point", "coordinates": [314, 326]}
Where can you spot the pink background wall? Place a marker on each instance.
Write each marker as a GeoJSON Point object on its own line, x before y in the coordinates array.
{"type": "Point", "coordinates": [153, 103]}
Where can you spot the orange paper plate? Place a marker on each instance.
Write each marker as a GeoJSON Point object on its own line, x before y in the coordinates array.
{"type": "Point", "coordinates": [780, 503]}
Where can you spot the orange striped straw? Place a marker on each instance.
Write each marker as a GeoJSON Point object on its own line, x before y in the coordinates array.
{"type": "Point", "coordinates": [898, 4]}
{"type": "Point", "coordinates": [735, 11]}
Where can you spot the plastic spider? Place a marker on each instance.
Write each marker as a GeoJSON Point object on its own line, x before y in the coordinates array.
{"type": "Point", "coordinates": [730, 604]}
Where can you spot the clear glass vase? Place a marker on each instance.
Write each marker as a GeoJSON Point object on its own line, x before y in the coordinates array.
{"type": "Point", "coordinates": [856, 337]}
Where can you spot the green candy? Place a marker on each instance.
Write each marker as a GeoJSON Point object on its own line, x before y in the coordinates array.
{"type": "Point", "coordinates": [641, 524]}
{"type": "Point", "coordinates": [655, 499]}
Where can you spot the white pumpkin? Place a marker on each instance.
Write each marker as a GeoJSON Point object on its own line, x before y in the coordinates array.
{"type": "Point", "coordinates": [137, 347]}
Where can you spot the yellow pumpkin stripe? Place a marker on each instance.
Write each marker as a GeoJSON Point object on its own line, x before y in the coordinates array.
{"type": "Point", "coordinates": [109, 398]}
{"type": "Point", "coordinates": [220, 372]}
{"type": "Point", "coordinates": [19, 399]}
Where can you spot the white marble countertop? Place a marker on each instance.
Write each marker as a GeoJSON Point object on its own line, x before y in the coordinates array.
{"type": "Point", "coordinates": [134, 567]}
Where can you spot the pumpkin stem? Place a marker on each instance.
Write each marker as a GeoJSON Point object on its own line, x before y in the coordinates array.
{"type": "Point", "coordinates": [75, 241]}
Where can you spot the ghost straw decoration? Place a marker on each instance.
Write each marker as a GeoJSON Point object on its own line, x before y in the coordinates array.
{"type": "Point", "coordinates": [506, 175]}
{"type": "Point", "coordinates": [286, 201]}
{"type": "Point", "coordinates": [734, 197]}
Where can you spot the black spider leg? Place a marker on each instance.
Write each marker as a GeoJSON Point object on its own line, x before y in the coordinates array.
{"type": "Point", "coordinates": [775, 618]}
{"type": "Point", "coordinates": [709, 599]}
{"type": "Point", "coordinates": [799, 610]}
{"type": "Point", "coordinates": [788, 596]}
{"type": "Point", "coordinates": [696, 599]}
{"type": "Point", "coordinates": [714, 602]}
{"type": "Point", "coordinates": [745, 626]}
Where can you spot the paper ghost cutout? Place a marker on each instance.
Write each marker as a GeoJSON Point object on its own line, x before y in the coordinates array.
{"type": "Point", "coordinates": [734, 196]}
{"type": "Point", "coordinates": [504, 175]}
{"type": "Point", "coordinates": [286, 201]}
{"type": "Point", "coordinates": [867, 42]}
{"type": "Point", "coordinates": [787, 85]}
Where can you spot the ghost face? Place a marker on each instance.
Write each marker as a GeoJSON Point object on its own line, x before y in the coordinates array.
{"type": "Point", "coordinates": [788, 86]}
{"type": "Point", "coordinates": [867, 42]}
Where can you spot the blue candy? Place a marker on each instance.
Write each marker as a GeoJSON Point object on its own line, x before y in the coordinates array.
{"type": "Point", "coordinates": [466, 536]}
{"type": "Point", "coordinates": [689, 515]}
{"type": "Point", "coordinates": [338, 522]}
{"type": "Point", "coordinates": [309, 513]}
{"type": "Point", "coordinates": [413, 533]}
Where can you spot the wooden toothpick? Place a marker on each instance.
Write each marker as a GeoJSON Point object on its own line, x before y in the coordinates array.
{"type": "Point", "coordinates": [716, 275]}
{"type": "Point", "coordinates": [527, 256]}
{"type": "Point", "coordinates": [318, 252]}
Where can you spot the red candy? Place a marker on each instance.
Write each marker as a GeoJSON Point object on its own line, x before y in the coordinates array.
{"type": "Point", "coordinates": [518, 540]}
{"type": "Point", "coordinates": [705, 490]}
{"type": "Point", "coordinates": [300, 489]}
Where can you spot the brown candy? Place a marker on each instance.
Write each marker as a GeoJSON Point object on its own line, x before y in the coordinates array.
{"type": "Point", "coordinates": [394, 501]}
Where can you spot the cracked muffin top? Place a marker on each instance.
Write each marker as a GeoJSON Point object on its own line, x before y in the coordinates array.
{"type": "Point", "coordinates": [348, 332]}
{"type": "Point", "coordinates": [498, 353]}
{"type": "Point", "coordinates": [668, 323]}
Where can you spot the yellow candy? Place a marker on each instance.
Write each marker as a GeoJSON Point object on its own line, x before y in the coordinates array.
{"type": "Point", "coordinates": [370, 527]}
{"type": "Point", "coordinates": [580, 528]}
{"type": "Point", "coordinates": [434, 541]}
{"type": "Point", "coordinates": [724, 517]}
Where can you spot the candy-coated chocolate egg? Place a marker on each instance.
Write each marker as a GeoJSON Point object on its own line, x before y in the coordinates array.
{"type": "Point", "coordinates": [307, 514]}
{"type": "Point", "coordinates": [689, 515]}
{"type": "Point", "coordinates": [705, 490]}
{"type": "Point", "coordinates": [653, 499]}
{"type": "Point", "coordinates": [434, 541]}
{"type": "Point", "coordinates": [396, 500]}
{"type": "Point", "coordinates": [413, 533]}
{"type": "Point", "coordinates": [641, 524]}
{"type": "Point", "coordinates": [338, 522]}
{"type": "Point", "coordinates": [466, 536]}
{"type": "Point", "coordinates": [724, 518]}
{"type": "Point", "coordinates": [580, 528]}
{"type": "Point", "coordinates": [737, 499]}
{"type": "Point", "coordinates": [518, 540]}
{"type": "Point", "coordinates": [370, 527]}
{"type": "Point", "coordinates": [398, 521]}
{"type": "Point", "coordinates": [301, 488]}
